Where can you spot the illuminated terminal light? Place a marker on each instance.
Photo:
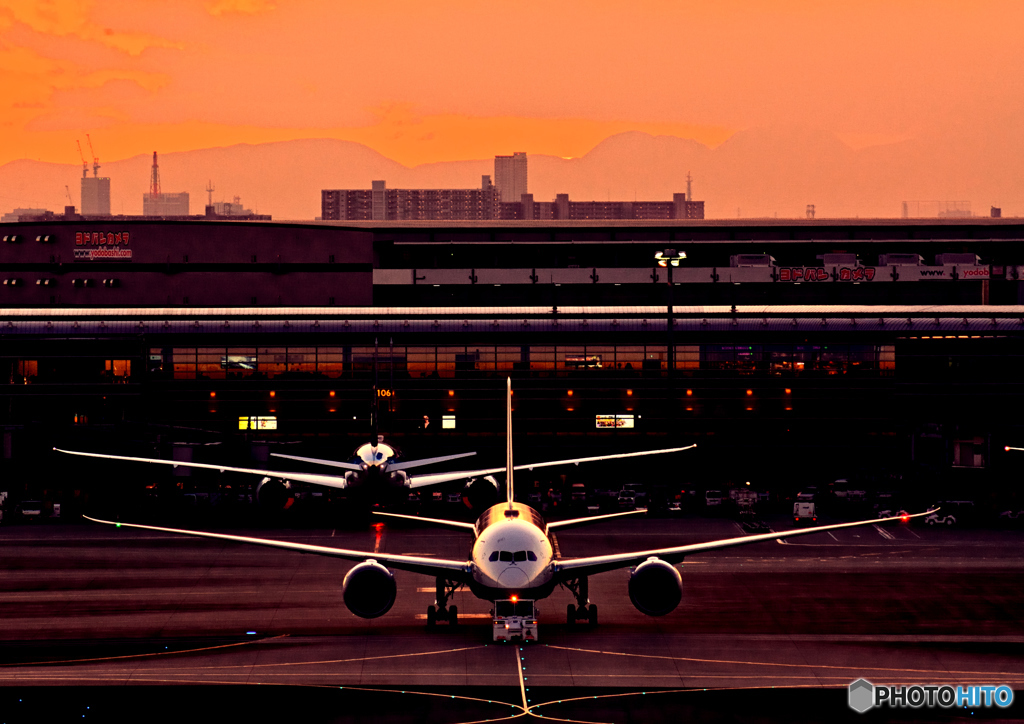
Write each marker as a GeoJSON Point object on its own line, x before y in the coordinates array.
{"type": "Point", "coordinates": [629, 392]}
{"type": "Point", "coordinates": [213, 394]}
{"type": "Point", "coordinates": [749, 393]}
{"type": "Point", "coordinates": [789, 391]}
{"type": "Point", "coordinates": [451, 393]}
{"type": "Point", "coordinates": [331, 393]}
{"type": "Point", "coordinates": [570, 393]}
{"type": "Point", "coordinates": [273, 394]}
{"type": "Point", "coordinates": [689, 393]}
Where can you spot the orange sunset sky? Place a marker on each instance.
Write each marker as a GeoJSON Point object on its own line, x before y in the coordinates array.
{"type": "Point", "coordinates": [461, 79]}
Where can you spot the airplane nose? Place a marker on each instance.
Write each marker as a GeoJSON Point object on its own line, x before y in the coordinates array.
{"type": "Point", "coordinates": [513, 577]}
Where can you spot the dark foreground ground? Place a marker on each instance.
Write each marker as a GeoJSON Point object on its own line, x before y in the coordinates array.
{"type": "Point", "coordinates": [133, 625]}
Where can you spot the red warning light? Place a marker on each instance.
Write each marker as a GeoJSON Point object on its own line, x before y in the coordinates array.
{"type": "Point", "coordinates": [904, 517]}
{"type": "Point", "coordinates": [515, 598]}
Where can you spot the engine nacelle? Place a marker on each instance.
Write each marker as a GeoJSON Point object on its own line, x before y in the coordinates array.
{"type": "Point", "coordinates": [655, 587]}
{"type": "Point", "coordinates": [480, 493]}
{"type": "Point", "coordinates": [369, 590]}
{"type": "Point", "coordinates": [275, 493]}
{"type": "Point", "coordinates": [398, 479]}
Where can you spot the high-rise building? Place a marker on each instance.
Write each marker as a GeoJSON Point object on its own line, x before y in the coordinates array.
{"type": "Point", "coordinates": [383, 204]}
{"type": "Point", "coordinates": [95, 196]}
{"type": "Point", "coordinates": [510, 177]}
{"type": "Point", "coordinates": [165, 204]}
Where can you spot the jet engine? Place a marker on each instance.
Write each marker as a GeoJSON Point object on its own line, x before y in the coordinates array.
{"type": "Point", "coordinates": [275, 493]}
{"type": "Point", "coordinates": [655, 587]}
{"type": "Point", "coordinates": [480, 493]}
{"type": "Point", "coordinates": [399, 479]}
{"type": "Point", "coordinates": [369, 590]}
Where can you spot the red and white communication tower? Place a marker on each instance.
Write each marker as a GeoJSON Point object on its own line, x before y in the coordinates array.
{"type": "Point", "coordinates": [154, 179]}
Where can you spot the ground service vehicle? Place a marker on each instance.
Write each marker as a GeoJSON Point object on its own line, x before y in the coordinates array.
{"type": "Point", "coordinates": [804, 512]}
{"type": "Point", "coordinates": [515, 619]}
{"type": "Point", "coordinates": [713, 498]}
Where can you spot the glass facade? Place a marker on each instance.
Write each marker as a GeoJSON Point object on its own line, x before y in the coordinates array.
{"type": "Point", "coordinates": [449, 362]}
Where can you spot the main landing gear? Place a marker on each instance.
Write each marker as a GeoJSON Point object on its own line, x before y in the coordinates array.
{"type": "Point", "coordinates": [441, 611]}
{"type": "Point", "coordinates": [582, 610]}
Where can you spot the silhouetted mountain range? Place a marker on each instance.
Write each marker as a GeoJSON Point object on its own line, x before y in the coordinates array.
{"type": "Point", "coordinates": [756, 173]}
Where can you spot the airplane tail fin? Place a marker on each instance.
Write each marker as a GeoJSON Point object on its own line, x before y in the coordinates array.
{"type": "Point", "coordinates": [375, 402]}
{"type": "Point", "coordinates": [508, 444]}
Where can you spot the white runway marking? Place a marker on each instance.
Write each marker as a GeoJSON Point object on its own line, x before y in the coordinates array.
{"type": "Point", "coordinates": [883, 532]}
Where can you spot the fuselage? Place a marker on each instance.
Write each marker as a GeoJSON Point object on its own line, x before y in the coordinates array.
{"type": "Point", "coordinates": [373, 474]}
{"type": "Point", "coordinates": [512, 554]}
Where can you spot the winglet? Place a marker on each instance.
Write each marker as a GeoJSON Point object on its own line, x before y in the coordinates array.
{"type": "Point", "coordinates": [508, 445]}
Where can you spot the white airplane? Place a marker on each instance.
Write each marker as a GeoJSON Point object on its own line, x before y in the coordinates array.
{"type": "Point", "coordinates": [513, 555]}
{"type": "Point", "coordinates": [376, 474]}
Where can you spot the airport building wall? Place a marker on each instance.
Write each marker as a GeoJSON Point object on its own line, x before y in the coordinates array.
{"type": "Point", "coordinates": [773, 376]}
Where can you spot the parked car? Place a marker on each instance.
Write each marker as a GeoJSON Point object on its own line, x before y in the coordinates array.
{"type": "Point", "coordinates": [627, 500]}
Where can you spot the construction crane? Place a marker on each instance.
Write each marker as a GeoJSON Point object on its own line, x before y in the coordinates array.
{"type": "Point", "coordinates": [68, 191]}
{"type": "Point", "coordinates": [85, 164]}
{"type": "Point", "coordinates": [95, 158]}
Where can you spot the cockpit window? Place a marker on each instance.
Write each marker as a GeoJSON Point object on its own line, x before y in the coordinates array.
{"type": "Point", "coordinates": [509, 556]}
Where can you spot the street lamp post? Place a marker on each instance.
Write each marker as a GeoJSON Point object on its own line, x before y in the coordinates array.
{"type": "Point", "coordinates": [669, 259]}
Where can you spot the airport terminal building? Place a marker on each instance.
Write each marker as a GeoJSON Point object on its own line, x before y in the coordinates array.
{"type": "Point", "coordinates": [793, 350]}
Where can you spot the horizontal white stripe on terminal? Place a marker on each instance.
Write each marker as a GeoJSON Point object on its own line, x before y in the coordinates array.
{"type": "Point", "coordinates": [423, 616]}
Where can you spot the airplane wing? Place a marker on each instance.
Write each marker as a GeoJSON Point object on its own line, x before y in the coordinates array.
{"type": "Point", "coordinates": [401, 465]}
{"type": "Point", "coordinates": [406, 464]}
{"type": "Point", "coordinates": [576, 567]}
{"type": "Point", "coordinates": [329, 481]}
{"type": "Point", "coordinates": [434, 521]}
{"type": "Point", "coordinates": [453, 570]}
{"type": "Point", "coordinates": [561, 524]}
{"type": "Point", "coordinates": [318, 461]}
{"type": "Point", "coordinates": [434, 478]}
